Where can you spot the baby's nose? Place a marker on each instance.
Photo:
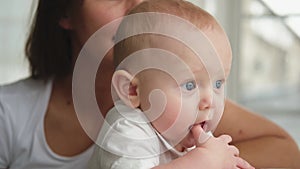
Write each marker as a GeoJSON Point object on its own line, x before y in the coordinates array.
{"type": "Point", "coordinates": [205, 99]}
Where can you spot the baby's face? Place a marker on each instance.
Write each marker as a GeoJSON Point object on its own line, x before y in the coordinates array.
{"type": "Point", "coordinates": [194, 92]}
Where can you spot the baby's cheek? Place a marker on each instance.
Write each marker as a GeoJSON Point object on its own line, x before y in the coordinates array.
{"type": "Point", "coordinates": [217, 113]}
{"type": "Point", "coordinates": [167, 118]}
{"type": "Point", "coordinates": [174, 123]}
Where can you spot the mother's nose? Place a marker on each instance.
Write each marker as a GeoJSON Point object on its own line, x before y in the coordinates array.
{"type": "Point", "coordinates": [132, 4]}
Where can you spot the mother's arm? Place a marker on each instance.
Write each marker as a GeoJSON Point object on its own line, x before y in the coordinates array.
{"type": "Point", "coordinates": [260, 141]}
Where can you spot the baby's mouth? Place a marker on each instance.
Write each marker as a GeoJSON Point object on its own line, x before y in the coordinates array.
{"type": "Point", "coordinates": [202, 124]}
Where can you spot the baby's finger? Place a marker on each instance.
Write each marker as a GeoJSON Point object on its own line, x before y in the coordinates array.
{"type": "Point", "coordinates": [234, 150]}
{"type": "Point", "coordinates": [196, 131]}
{"type": "Point", "coordinates": [199, 135]}
{"type": "Point", "coordinates": [241, 163]}
{"type": "Point", "coordinates": [226, 138]}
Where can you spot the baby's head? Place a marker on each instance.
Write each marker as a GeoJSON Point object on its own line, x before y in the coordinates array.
{"type": "Point", "coordinates": [180, 8]}
{"type": "Point", "coordinates": [176, 80]}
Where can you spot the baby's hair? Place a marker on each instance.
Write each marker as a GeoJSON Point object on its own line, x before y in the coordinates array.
{"type": "Point", "coordinates": [180, 8]}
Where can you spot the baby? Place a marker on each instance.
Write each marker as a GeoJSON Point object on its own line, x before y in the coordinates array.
{"type": "Point", "coordinates": [172, 60]}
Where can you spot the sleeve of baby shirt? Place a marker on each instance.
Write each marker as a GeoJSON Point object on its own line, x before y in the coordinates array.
{"type": "Point", "coordinates": [127, 142]}
{"type": "Point", "coordinates": [131, 163]}
{"type": "Point", "coordinates": [107, 160]}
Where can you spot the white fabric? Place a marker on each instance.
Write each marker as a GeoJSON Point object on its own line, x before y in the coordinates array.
{"type": "Point", "coordinates": [127, 141]}
{"type": "Point", "coordinates": [22, 139]}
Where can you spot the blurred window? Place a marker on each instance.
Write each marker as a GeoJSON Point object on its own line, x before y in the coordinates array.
{"type": "Point", "coordinates": [270, 55]}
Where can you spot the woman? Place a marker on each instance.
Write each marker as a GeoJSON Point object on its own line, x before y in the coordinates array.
{"type": "Point", "coordinates": [38, 123]}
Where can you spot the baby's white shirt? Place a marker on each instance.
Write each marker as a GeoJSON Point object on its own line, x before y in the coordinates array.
{"type": "Point", "coordinates": [128, 141]}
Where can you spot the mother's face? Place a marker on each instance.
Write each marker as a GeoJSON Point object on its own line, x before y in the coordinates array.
{"type": "Point", "coordinates": [89, 16]}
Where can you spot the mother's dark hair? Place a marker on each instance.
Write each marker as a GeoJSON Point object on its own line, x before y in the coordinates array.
{"type": "Point", "coordinates": [48, 47]}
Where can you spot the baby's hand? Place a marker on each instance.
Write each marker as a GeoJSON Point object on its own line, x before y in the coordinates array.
{"type": "Point", "coordinates": [221, 155]}
{"type": "Point", "coordinates": [210, 153]}
{"type": "Point", "coordinates": [215, 152]}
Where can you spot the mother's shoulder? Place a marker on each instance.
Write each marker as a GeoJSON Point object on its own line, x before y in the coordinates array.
{"type": "Point", "coordinates": [23, 86]}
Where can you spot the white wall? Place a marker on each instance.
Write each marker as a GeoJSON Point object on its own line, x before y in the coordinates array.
{"type": "Point", "coordinates": [14, 20]}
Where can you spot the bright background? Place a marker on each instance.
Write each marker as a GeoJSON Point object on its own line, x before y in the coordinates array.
{"type": "Point", "coordinates": [265, 39]}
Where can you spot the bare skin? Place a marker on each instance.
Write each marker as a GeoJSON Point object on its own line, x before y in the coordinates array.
{"type": "Point", "coordinates": [261, 142]}
{"type": "Point", "coordinates": [63, 131]}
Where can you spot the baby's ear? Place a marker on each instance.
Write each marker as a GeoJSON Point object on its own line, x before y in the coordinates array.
{"type": "Point", "coordinates": [126, 87]}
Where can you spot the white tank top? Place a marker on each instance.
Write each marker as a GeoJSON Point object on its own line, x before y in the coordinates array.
{"type": "Point", "coordinates": [22, 139]}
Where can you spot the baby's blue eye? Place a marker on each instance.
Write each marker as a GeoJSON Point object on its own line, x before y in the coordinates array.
{"type": "Point", "coordinates": [218, 84]}
{"type": "Point", "coordinates": [189, 85]}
